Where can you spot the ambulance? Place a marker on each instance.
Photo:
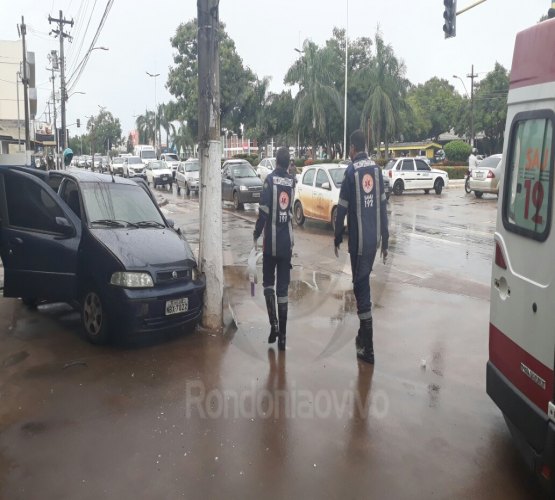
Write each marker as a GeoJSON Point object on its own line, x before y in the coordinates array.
{"type": "Point", "coordinates": [522, 311]}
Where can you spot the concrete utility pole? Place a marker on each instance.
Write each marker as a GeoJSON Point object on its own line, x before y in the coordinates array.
{"type": "Point", "coordinates": [472, 76]}
{"type": "Point", "coordinates": [53, 58]}
{"type": "Point", "coordinates": [22, 28]}
{"type": "Point", "coordinates": [63, 97]}
{"type": "Point", "coordinates": [210, 253]}
{"type": "Point", "coordinates": [345, 105]}
{"type": "Point", "coordinates": [18, 78]}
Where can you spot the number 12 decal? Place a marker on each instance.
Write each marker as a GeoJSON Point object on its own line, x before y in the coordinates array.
{"type": "Point", "coordinates": [534, 194]}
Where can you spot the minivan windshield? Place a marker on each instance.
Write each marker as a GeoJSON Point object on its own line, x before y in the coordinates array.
{"type": "Point", "coordinates": [171, 157]}
{"type": "Point", "coordinates": [242, 170]}
{"type": "Point", "coordinates": [133, 160]}
{"type": "Point", "coordinates": [126, 204]}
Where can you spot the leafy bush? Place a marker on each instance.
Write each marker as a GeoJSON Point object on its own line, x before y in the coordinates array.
{"type": "Point", "coordinates": [457, 150]}
{"type": "Point", "coordinates": [455, 172]}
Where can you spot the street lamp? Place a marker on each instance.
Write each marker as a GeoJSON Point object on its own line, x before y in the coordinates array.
{"type": "Point", "coordinates": [77, 92]}
{"type": "Point", "coordinates": [155, 75]}
{"type": "Point", "coordinates": [462, 81]}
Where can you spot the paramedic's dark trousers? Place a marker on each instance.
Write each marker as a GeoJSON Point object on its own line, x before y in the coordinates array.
{"type": "Point", "coordinates": [361, 267]}
{"type": "Point", "coordinates": [283, 266]}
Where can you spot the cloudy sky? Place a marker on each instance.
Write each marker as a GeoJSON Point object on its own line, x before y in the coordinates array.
{"type": "Point", "coordinates": [265, 32]}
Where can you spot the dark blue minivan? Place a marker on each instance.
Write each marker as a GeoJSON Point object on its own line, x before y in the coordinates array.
{"type": "Point", "coordinates": [98, 242]}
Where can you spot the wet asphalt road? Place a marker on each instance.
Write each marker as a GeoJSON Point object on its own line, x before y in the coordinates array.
{"type": "Point", "coordinates": [207, 415]}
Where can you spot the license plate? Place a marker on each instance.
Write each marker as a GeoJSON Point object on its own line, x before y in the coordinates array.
{"type": "Point", "coordinates": [177, 306]}
{"type": "Point", "coordinates": [165, 178]}
{"type": "Point", "coordinates": [479, 175]}
{"type": "Point", "coordinates": [256, 195]}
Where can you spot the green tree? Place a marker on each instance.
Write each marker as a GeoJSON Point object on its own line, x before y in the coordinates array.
{"type": "Point", "coordinates": [235, 78]}
{"type": "Point", "coordinates": [105, 131]}
{"type": "Point", "coordinates": [386, 94]}
{"type": "Point", "coordinates": [490, 108]}
{"type": "Point", "coordinates": [317, 92]}
{"type": "Point", "coordinates": [436, 104]}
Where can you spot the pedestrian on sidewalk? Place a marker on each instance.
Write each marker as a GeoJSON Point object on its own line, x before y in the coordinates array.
{"type": "Point", "coordinates": [362, 199]}
{"type": "Point", "coordinates": [275, 219]}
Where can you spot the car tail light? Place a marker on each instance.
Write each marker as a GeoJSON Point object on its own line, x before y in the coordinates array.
{"type": "Point", "coordinates": [390, 174]}
{"type": "Point", "coordinates": [491, 175]}
{"type": "Point", "coordinates": [499, 257]}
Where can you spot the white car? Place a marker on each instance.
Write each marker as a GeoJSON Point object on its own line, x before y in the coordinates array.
{"type": "Point", "coordinates": [317, 193]}
{"type": "Point", "coordinates": [187, 176]}
{"type": "Point", "coordinates": [265, 167]}
{"type": "Point", "coordinates": [172, 160]}
{"type": "Point", "coordinates": [133, 167]}
{"type": "Point", "coordinates": [410, 174]}
{"type": "Point", "coordinates": [158, 174]}
{"type": "Point", "coordinates": [485, 178]}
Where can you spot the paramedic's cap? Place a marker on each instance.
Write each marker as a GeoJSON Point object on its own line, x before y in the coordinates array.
{"type": "Point", "coordinates": [68, 156]}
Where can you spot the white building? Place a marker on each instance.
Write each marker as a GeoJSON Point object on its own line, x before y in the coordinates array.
{"type": "Point", "coordinates": [12, 97]}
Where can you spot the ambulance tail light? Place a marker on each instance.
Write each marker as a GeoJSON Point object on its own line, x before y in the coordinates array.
{"type": "Point", "coordinates": [491, 175]}
{"type": "Point", "coordinates": [499, 257]}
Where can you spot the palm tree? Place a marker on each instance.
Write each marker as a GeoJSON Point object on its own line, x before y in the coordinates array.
{"type": "Point", "coordinates": [313, 74]}
{"type": "Point", "coordinates": [387, 92]}
{"type": "Point", "coordinates": [182, 138]}
{"type": "Point", "coordinates": [146, 127]}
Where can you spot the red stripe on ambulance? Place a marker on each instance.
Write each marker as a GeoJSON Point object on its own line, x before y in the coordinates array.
{"type": "Point", "coordinates": [524, 371]}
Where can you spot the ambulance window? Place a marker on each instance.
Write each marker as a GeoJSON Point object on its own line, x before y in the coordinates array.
{"type": "Point", "coordinates": [529, 174]}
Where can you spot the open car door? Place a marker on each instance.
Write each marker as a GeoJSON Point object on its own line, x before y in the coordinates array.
{"type": "Point", "coordinates": [39, 239]}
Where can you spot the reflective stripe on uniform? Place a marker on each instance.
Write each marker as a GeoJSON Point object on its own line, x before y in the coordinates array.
{"type": "Point", "coordinates": [359, 213]}
{"type": "Point", "coordinates": [343, 203]}
{"type": "Point", "coordinates": [274, 219]}
{"type": "Point", "coordinates": [378, 207]}
{"type": "Point", "coordinates": [282, 300]}
{"type": "Point", "coordinates": [271, 288]}
{"type": "Point", "coordinates": [264, 208]}
{"type": "Point", "coordinates": [365, 315]}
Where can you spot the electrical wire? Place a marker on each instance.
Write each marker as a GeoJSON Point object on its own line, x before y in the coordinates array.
{"type": "Point", "coordinates": [72, 52]}
{"type": "Point", "coordinates": [74, 78]}
{"type": "Point", "coordinates": [78, 53]}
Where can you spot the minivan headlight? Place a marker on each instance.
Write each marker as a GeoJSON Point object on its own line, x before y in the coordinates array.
{"type": "Point", "coordinates": [195, 273]}
{"type": "Point", "coordinates": [132, 280]}
{"type": "Point", "coordinates": [243, 188]}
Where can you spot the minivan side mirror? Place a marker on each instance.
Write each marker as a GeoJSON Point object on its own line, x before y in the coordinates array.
{"type": "Point", "coordinates": [64, 226]}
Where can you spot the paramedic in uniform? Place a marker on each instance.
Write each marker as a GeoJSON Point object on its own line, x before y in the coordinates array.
{"type": "Point", "coordinates": [363, 200]}
{"type": "Point", "coordinates": [275, 219]}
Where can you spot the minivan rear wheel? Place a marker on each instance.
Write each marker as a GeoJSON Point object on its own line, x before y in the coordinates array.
{"type": "Point", "coordinates": [94, 317]}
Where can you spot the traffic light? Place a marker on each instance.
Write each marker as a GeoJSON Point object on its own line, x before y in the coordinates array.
{"type": "Point", "coordinates": [78, 123]}
{"type": "Point", "coordinates": [450, 16]}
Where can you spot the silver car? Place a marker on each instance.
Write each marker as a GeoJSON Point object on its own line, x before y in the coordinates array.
{"type": "Point", "coordinates": [187, 176]}
{"type": "Point", "coordinates": [485, 177]}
